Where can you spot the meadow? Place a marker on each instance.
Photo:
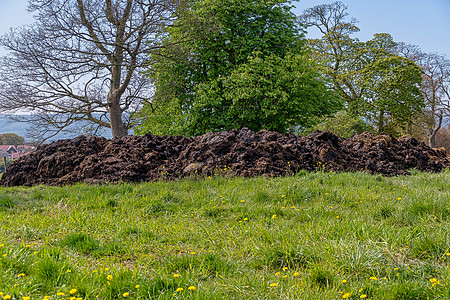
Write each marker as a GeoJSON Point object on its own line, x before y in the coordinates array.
{"type": "Point", "coordinates": [309, 236]}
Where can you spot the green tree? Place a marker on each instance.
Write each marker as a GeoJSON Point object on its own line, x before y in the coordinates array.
{"type": "Point", "coordinates": [218, 47]}
{"type": "Point", "coordinates": [376, 83]}
{"type": "Point", "coordinates": [11, 139]}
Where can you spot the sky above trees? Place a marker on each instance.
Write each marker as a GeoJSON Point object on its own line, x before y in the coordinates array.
{"type": "Point", "coordinates": [421, 22]}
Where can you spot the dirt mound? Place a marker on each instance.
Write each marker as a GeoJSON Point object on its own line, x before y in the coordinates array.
{"type": "Point", "coordinates": [240, 153]}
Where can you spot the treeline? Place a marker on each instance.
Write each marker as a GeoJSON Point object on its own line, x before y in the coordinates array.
{"type": "Point", "coordinates": [231, 64]}
{"type": "Point", "coordinates": [193, 66]}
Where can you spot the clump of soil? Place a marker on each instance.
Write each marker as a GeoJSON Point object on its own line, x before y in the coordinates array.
{"type": "Point", "coordinates": [239, 153]}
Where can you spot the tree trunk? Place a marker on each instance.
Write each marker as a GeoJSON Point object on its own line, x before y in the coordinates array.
{"type": "Point", "coordinates": [432, 139]}
{"type": "Point", "coordinates": [118, 128]}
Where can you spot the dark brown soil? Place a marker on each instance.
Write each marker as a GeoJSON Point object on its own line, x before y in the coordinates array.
{"type": "Point", "coordinates": [239, 153]}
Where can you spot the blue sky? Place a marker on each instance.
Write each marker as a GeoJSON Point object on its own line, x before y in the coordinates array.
{"type": "Point", "coordinates": [425, 23]}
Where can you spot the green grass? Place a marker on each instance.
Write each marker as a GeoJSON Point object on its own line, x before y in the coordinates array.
{"type": "Point", "coordinates": [311, 236]}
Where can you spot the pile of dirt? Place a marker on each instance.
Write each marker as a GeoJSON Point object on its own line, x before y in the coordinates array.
{"type": "Point", "coordinates": [239, 153]}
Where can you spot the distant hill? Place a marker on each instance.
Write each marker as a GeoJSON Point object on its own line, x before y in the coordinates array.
{"type": "Point", "coordinates": [20, 128]}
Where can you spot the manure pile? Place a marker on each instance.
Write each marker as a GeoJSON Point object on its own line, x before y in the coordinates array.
{"type": "Point", "coordinates": [239, 153]}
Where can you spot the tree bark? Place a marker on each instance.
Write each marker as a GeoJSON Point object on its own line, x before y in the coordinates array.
{"type": "Point", "coordinates": [432, 139]}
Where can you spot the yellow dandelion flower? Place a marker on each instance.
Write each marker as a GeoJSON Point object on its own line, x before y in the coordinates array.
{"type": "Point", "coordinates": [274, 216]}
{"type": "Point", "coordinates": [137, 286]}
{"type": "Point", "coordinates": [344, 281]}
{"type": "Point", "coordinates": [433, 280]}
{"type": "Point", "coordinates": [79, 298]}
{"type": "Point", "coordinates": [296, 274]}
{"type": "Point", "coordinates": [60, 294]}
{"type": "Point", "coordinates": [285, 268]}
{"type": "Point", "coordinates": [346, 295]}
{"type": "Point", "coordinates": [245, 219]}
{"type": "Point", "coordinates": [106, 269]}
{"type": "Point", "coordinates": [277, 273]}
{"type": "Point", "coordinates": [6, 297]}
{"type": "Point", "coordinates": [109, 277]}
{"type": "Point", "coordinates": [395, 269]}
{"type": "Point", "coordinates": [16, 285]}
{"type": "Point", "coordinates": [21, 275]}
{"type": "Point", "coordinates": [242, 201]}
{"type": "Point", "coordinates": [176, 275]}
{"type": "Point", "coordinates": [363, 296]}
{"type": "Point", "coordinates": [192, 252]}
{"type": "Point", "coordinates": [448, 253]}
{"type": "Point", "coordinates": [69, 271]}
{"type": "Point", "coordinates": [26, 298]}
{"type": "Point", "coordinates": [399, 198]}
{"type": "Point", "coordinates": [73, 298]}
{"type": "Point", "coordinates": [126, 294]}
{"type": "Point", "coordinates": [191, 288]}
{"type": "Point", "coordinates": [1, 294]}
{"type": "Point", "coordinates": [285, 276]}
{"type": "Point", "coordinates": [180, 289]}
{"type": "Point", "coordinates": [72, 291]}
{"type": "Point", "coordinates": [373, 278]}
{"type": "Point", "coordinates": [273, 284]}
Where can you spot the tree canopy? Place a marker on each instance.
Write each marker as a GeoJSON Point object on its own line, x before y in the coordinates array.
{"type": "Point", "coordinates": [228, 64]}
{"type": "Point", "coordinates": [376, 82]}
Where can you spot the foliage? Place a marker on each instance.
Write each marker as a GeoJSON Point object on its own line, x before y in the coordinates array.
{"type": "Point", "coordinates": [310, 236]}
{"type": "Point", "coordinates": [213, 49]}
{"type": "Point", "coordinates": [377, 84]}
{"type": "Point", "coordinates": [11, 139]}
{"type": "Point", "coordinates": [260, 94]}
{"type": "Point", "coordinates": [342, 124]}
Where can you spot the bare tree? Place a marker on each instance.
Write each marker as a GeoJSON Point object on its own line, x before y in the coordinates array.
{"type": "Point", "coordinates": [81, 61]}
{"type": "Point", "coordinates": [435, 87]}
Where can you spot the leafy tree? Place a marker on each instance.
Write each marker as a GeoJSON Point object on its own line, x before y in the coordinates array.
{"type": "Point", "coordinates": [215, 49]}
{"type": "Point", "coordinates": [11, 139]}
{"type": "Point", "coordinates": [377, 84]}
{"type": "Point", "coordinates": [81, 61]}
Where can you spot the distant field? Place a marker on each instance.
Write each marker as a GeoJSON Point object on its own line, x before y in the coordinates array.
{"type": "Point", "coordinates": [311, 236]}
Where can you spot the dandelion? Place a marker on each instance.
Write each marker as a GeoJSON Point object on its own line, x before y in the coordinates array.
{"type": "Point", "coordinates": [344, 281]}
{"type": "Point", "coordinates": [192, 252]}
{"type": "Point", "coordinates": [448, 253]}
{"type": "Point", "coordinates": [137, 286]}
{"type": "Point", "coordinates": [176, 275]}
{"type": "Point", "coordinates": [242, 201]}
{"type": "Point", "coordinates": [6, 297]}
{"type": "Point", "coordinates": [285, 268]}
{"type": "Point", "coordinates": [274, 216]}
{"type": "Point", "coordinates": [337, 217]}
{"type": "Point", "coordinates": [126, 294]}
{"type": "Point", "coordinates": [363, 296]}
{"type": "Point", "coordinates": [373, 278]}
{"type": "Point", "coordinates": [399, 198]}
{"type": "Point", "coordinates": [285, 276]}
{"type": "Point", "coordinates": [395, 269]}
{"type": "Point", "coordinates": [60, 294]}
{"type": "Point", "coordinates": [346, 295]}
{"type": "Point", "coordinates": [296, 274]}
{"type": "Point", "coordinates": [69, 271]}
{"type": "Point", "coordinates": [21, 275]}
{"type": "Point", "coordinates": [73, 298]}
{"type": "Point", "coordinates": [273, 284]}
{"type": "Point", "coordinates": [245, 219]}
{"type": "Point", "coordinates": [191, 288]}
{"type": "Point", "coordinates": [26, 298]}
{"type": "Point", "coordinates": [106, 269]}
{"type": "Point", "coordinates": [72, 291]}
{"type": "Point", "coordinates": [46, 298]}
{"type": "Point", "coordinates": [277, 273]}
{"type": "Point", "coordinates": [1, 294]}
{"type": "Point", "coordinates": [109, 277]}
{"type": "Point", "coordinates": [79, 298]}
{"type": "Point", "coordinates": [180, 289]}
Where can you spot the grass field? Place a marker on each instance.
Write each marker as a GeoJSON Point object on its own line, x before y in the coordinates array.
{"type": "Point", "coordinates": [310, 236]}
